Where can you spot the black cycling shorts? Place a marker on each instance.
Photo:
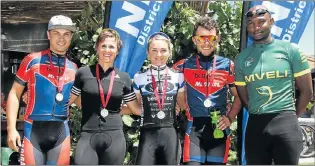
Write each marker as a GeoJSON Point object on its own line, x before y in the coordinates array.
{"type": "Point", "coordinates": [46, 143]}
{"type": "Point", "coordinates": [201, 146]}
{"type": "Point", "coordinates": [274, 137]}
{"type": "Point", "coordinates": [158, 146]}
{"type": "Point", "coordinates": [101, 148]}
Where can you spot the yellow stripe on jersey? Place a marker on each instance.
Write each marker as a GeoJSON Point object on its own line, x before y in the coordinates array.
{"type": "Point", "coordinates": [302, 72]}
{"type": "Point", "coordinates": [240, 83]}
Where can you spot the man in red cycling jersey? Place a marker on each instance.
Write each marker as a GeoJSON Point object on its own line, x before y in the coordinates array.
{"type": "Point", "coordinates": [49, 76]}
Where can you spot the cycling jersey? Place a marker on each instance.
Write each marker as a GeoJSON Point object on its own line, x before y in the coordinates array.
{"type": "Point", "coordinates": [40, 74]}
{"type": "Point", "coordinates": [196, 83]}
{"type": "Point", "coordinates": [40, 71]}
{"type": "Point", "coordinates": [143, 84]}
{"type": "Point", "coordinates": [199, 145]}
{"type": "Point", "coordinates": [86, 85]}
{"type": "Point", "coordinates": [268, 71]}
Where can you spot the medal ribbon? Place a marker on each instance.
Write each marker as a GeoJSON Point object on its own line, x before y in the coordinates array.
{"type": "Point", "coordinates": [104, 103]}
{"type": "Point", "coordinates": [61, 81]}
{"type": "Point", "coordinates": [208, 71]}
{"type": "Point", "coordinates": [160, 104]}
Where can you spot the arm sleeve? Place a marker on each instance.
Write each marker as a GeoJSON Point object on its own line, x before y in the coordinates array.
{"type": "Point", "coordinates": [300, 65]}
{"type": "Point", "coordinates": [23, 73]}
{"type": "Point", "coordinates": [129, 94]}
{"type": "Point", "coordinates": [76, 87]}
{"type": "Point", "coordinates": [239, 76]}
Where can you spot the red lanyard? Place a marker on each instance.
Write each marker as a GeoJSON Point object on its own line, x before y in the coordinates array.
{"type": "Point", "coordinates": [61, 81]}
{"type": "Point", "coordinates": [208, 71]}
{"type": "Point", "coordinates": [104, 103]}
{"type": "Point", "coordinates": [160, 104]}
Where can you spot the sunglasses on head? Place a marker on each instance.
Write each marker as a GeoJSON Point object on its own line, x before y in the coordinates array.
{"type": "Point", "coordinates": [159, 33]}
{"type": "Point", "coordinates": [258, 12]}
{"type": "Point", "coordinates": [209, 38]}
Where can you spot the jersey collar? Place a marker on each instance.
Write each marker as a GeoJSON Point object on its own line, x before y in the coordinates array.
{"type": "Point", "coordinates": [158, 68]}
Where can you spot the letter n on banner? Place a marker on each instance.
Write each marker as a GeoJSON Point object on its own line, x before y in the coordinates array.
{"type": "Point", "coordinates": [291, 18]}
{"type": "Point", "coordinates": [135, 21]}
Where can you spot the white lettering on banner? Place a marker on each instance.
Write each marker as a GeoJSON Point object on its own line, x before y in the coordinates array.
{"type": "Point", "coordinates": [294, 21]}
{"type": "Point", "coordinates": [282, 13]}
{"type": "Point", "coordinates": [148, 23]}
{"type": "Point", "coordinates": [138, 14]}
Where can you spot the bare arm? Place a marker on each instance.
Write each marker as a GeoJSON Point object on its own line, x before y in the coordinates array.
{"type": "Point", "coordinates": [242, 93]}
{"type": "Point", "coordinates": [226, 121]}
{"type": "Point", "coordinates": [304, 85]}
{"type": "Point", "coordinates": [76, 100]}
{"type": "Point", "coordinates": [12, 110]}
{"type": "Point", "coordinates": [181, 100]}
{"type": "Point", "coordinates": [237, 104]}
{"type": "Point", "coordinates": [133, 107]}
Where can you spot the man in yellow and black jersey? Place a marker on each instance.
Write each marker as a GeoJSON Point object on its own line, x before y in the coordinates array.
{"type": "Point", "coordinates": [266, 73]}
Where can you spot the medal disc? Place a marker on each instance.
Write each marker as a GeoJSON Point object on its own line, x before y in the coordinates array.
{"type": "Point", "coordinates": [59, 97]}
{"type": "Point", "coordinates": [104, 113]}
{"type": "Point", "coordinates": [161, 115]}
{"type": "Point", "coordinates": [207, 103]}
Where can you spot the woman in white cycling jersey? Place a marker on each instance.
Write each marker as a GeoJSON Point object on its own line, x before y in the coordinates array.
{"type": "Point", "coordinates": [157, 89]}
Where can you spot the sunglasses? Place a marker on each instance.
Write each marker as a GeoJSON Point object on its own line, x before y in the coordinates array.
{"type": "Point", "coordinates": [203, 39]}
{"type": "Point", "coordinates": [258, 12]}
{"type": "Point", "coordinates": [160, 34]}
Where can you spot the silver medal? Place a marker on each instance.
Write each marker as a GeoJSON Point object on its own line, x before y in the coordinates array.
{"type": "Point", "coordinates": [59, 97]}
{"type": "Point", "coordinates": [207, 103]}
{"type": "Point", "coordinates": [104, 112]}
{"type": "Point", "coordinates": [161, 115]}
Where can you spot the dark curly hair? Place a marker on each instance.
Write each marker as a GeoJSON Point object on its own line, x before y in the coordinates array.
{"type": "Point", "coordinates": [207, 23]}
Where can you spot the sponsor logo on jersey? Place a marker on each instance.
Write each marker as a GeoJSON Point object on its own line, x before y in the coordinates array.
{"type": "Point", "coordinates": [249, 62]}
{"type": "Point", "coordinates": [267, 75]}
{"type": "Point", "coordinates": [198, 80]}
{"type": "Point", "coordinates": [149, 87]}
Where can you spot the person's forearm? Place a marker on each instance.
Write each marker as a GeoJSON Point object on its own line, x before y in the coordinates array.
{"type": "Point", "coordinates": [181, 100]}
{"type": "Point", "coordinates": [12, 110]}
{"type": "Point", "coordinates": [125, 110]}
{"type": "Point", "coordinates": [236, 107]}
{"type": "Point", "coordinates": [302, 101]}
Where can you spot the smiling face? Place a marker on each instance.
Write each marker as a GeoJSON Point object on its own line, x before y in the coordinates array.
{"type": "Point", "coordinates": [107, 50]}
{"type": "Point", "coordinates": [59, 40]}
{"type": "Point", "coordinates": [205, 47]}
{"type": "Point", "coordinates": [259, 25]}
{"type": "Point", "coordinates": [158, 51]}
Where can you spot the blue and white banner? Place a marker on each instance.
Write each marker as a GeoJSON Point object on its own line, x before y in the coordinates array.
{"type": "Point", "coordinates": [291, 18]}
{"type": "Point", "coordinates": [135, 21]}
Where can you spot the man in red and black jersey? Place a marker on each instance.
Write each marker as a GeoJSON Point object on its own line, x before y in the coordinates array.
{"type": "Point", "coordinates": [208, 78]}
{"type": "Point", "coordinates": [49, 76]}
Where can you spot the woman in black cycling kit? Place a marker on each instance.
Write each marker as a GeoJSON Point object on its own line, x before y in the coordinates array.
{"type": "Point", "coordinates": [157, 89]}
{"type": "Point", "coordinates": [102, 139]}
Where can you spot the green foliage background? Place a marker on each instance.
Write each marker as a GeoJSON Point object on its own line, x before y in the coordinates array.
{"type": "Point", "coordinates": [179, 26]}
